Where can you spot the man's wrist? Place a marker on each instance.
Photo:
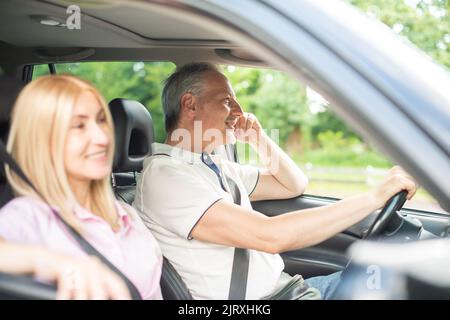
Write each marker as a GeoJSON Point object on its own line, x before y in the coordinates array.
{"type": "Point", "coordinates": [259, 139]}
{"type": "Point", "coordinates": [374, 199]}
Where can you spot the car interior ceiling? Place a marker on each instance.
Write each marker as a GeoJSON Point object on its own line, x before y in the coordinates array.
{"type": "Point", "coordinates": [108, 37]}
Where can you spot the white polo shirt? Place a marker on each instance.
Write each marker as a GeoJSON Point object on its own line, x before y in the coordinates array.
{"type": "Point", "coordinates": [173, 192]}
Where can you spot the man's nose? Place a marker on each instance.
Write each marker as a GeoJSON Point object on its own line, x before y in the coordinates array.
{"type": "Point", "coordinates": [236, 109]}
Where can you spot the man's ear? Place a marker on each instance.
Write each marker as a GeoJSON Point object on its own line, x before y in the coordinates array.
{"type": "Point", "coordinates": [188, 105]}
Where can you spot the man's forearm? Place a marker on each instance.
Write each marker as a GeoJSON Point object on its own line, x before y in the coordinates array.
{"type": "Point", "coordinates": [279, 164]}
{"type": "Point", "coordinates": [300, 229]}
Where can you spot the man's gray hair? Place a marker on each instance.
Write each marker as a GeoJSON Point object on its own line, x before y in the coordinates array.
{"type": "Point", "coordinates": [188, 78]}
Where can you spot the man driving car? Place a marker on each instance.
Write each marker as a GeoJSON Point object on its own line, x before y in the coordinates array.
{"type": "Point", "coordinates": [199, 205]}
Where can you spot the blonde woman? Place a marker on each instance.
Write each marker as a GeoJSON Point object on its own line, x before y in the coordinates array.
{"type": "Point", "coordinates": [62, 138]}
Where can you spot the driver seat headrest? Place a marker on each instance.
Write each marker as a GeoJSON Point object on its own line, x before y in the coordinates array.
{"type": "Point", "coordinates": [134, 134]}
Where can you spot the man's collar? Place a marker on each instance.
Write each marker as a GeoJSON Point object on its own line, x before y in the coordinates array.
{"type": "Point", "coordinates": [176, 153]}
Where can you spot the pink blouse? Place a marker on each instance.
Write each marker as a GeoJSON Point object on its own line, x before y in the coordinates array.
{"type": "Point", "coordinates": [133, 249]}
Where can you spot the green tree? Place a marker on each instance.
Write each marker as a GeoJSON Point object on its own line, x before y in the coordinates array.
{"type": "Point", "coordinates": [425, 23]}
{"type": "Point", "coordinates": [131, 80]}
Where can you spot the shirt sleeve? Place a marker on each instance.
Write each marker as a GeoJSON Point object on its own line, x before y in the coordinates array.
{"type": "Point", "coordinates": [249, 175]}
{"type": "Point", "coordinates": [174, 197]}
{"type": "Point", "coordinates": [21, 221]}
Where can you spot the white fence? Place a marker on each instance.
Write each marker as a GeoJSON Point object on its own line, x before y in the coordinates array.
{"type": "Point", "coordinates": [369, 175]}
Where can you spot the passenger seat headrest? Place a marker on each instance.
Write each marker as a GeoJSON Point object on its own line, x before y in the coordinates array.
{"type": "Point", "coordinates": [133, 133]}
{"type": "Point", "coordinates": [9, 90]}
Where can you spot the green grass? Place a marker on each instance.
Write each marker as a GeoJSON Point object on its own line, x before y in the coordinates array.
{"type": "Point", "coordinates": [342, 158]}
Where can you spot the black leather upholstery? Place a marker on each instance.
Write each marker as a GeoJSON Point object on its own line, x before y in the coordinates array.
{"type": "Point", "coordinates": [125, 193]}
{"type": "Point", "coordinates": [9, 90]}
{"type": "Point", "coordinates": [172, 286]}
{"type": "Point", "coordinates": [134, 136]}
{"type": "Point", "coordinates": [125, 178]}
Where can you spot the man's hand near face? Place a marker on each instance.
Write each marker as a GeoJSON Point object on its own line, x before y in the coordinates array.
{"type": "Point", "coordinates": [248, 129]}
{"type": "Point", "coordinates": [281, 178]}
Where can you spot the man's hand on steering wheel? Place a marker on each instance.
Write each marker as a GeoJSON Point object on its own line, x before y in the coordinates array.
{"type": "Point", "coordinates": [391, 194]}
{"type": "Point", "coordinates": [395, 181]}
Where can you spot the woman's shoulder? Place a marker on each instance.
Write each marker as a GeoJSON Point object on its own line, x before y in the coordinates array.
{"type": "Point", "coordinates": [24, 206]}
{"type": "Point", "coordinates": [25, 219]}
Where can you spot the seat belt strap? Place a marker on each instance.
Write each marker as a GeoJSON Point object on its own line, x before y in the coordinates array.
{"type": "Point", "coordinates": [241, 259]}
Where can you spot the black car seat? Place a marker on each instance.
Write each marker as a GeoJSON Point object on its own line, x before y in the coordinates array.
{"type": "Point", "coordinates": [134, 136]}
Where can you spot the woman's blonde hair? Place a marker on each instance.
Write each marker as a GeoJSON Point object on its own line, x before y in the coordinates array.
{"type": "Point", "coordinates": [40, 122]}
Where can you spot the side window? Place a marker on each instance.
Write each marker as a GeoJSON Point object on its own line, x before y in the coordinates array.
{"type": "Point", "coordinates": [40, 70]}
{"type": "Point", "coordinates": [130, 80]}
{"type": "Point", "coordinates": [338, 162]}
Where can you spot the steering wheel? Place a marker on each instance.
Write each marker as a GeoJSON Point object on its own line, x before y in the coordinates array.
{"type": "Point", "coordinates": [382, 220]}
